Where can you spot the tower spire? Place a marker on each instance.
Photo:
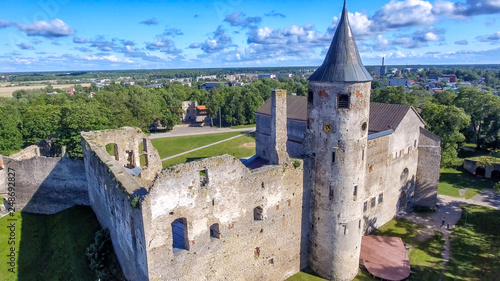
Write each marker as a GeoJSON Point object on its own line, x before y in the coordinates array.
{"type": "Point", "coordinates": [342, 62]}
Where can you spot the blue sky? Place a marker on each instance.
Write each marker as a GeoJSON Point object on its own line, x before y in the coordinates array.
{"type": "Point", "coordinates": [59, 35]}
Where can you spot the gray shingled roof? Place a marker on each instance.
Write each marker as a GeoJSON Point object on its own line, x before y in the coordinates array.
{"type": "Point", "coordinates": [342, 62]}
{"type": "Point", "coordinates": [383, 116]}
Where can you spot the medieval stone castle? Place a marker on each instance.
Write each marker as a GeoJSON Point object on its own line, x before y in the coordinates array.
{"type": "Point", "coordinates": [329, 168]}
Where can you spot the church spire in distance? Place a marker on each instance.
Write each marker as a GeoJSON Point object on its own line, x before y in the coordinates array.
{"type": "Point", "coordinates": [342, 62]}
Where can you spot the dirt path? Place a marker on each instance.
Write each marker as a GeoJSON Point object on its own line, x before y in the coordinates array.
{"type": "Point", "coordinates": [447, 216]}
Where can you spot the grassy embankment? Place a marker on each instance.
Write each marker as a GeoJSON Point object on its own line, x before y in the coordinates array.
{"type": "Point", "coordinates": [49, 247]}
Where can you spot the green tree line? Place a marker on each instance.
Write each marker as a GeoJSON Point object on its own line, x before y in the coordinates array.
{"type": "Point", "coordinates": [469, 115]}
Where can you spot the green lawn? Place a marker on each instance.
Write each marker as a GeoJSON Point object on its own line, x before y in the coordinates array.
{"type": "Point", "coordinates": [170, 146]}
{"type": "Point", "coordinates": [425, 257]}
{"type": "Point", "coordinates": [232, 147]}
{"type": "Point", "coordinates": [475, 247]}
{"type": "Point", "coordinates": [452, 180]}
{"type": "Point", "coordinates": [243, 126]}
{"type": "Point", "coordinates": [50, 247]}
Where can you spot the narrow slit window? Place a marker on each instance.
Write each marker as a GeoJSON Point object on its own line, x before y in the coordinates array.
{"type": "Point", "coordinates": [333, 157]}
{"type": "Point", "coordinates": [363, 155]}
{"type": "Point", "coordinates": [310, 96]}
{"type": "Point", "coordinates": [380, 198]}
{"type": "Point", "coordinates": [355, 192]}
{"type": "Point", "coordinates": [203, 177]}
{"type": "Point", "coordinates": [365, 206]}
{"type": "Point", "coordinates": [343, 101]}
{"type": "Point", "coordinates": [374, 201]}
{"type": "Point", "coordinates": [330, 195]}
{"type": "Point", "coordinates": [257, 214]}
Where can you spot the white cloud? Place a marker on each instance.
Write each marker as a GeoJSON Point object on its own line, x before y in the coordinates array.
{"type": "Point", "coordinates": [52, 29]}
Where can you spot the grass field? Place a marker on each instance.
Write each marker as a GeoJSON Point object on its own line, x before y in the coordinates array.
{"type": "Point", "coordinates": [50, 247]}
{"type": "Point", "coordinates": [475, 247]}
{"type": "Point", "coordinates": [454, 179]}
{"type": "Point", "coordinates": [7, 91]}
{"type": "Point", "coordinates": [425, 256]}
{"type": "Point", "coordinates": [243, 146]}
{"type": "Point", "coordinates": [170, 146]}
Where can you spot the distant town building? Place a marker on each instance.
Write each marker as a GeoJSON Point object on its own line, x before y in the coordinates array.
{"type": "Point", "coordinates": [266, 75]}
{"type": "Point", "coordinates": [211, 77]}
{"type": "Point", "coordinates": [70, 90]}
{"type": "Point", "coordinates": [210, 85]}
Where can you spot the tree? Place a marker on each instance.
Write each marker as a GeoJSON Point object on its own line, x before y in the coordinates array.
{"type": "Point", "coordinates": [446, 122]}
{"type": "Point", "coordinates": [484, 110]}
{"type": "Point", "coordinates": [395, 95]}
{"type": "Point", "coordinates": [10, 136]}
{"type": "Point", "coordinates": [40, 121]}
{"type": "Point", "coordinates": [81, 116]}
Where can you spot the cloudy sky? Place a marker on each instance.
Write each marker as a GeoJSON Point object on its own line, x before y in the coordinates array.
{"type": "Point", "coordinates": [53, 35]}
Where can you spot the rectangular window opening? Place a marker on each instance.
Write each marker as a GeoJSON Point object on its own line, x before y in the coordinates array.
{"type": "Point", "coordinates": [333, 157]}
{"type": "Point", "coordinates": [310, 96]}
{"type": "Point", "coordinates": [355, 192]}
{"type": "Point", "coordinates": [365, 206]}
{"type": "Point", "coordinates": [343, 101]}
{"type": "Point", "coordinates": [380, 198]}
{"type": "Point", "coordinates": [373, 202]}
{"type": "Point", "coordinates": [203, 177]}
{"type": "Point", "coordinates": [179, 235]}
{"type": "Point", "coordinates": [330, 195]}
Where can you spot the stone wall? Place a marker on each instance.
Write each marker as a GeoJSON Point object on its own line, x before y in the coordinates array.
{"type": "Point", "coordinates": [429, 161]}
{"type": "Point", "coordinates": [47, 185]}
{"type": "Point", "coordinates": [112, 189]}
{"type": "Point", "coordinates": [27, 153]}
{"type": "Point", "coordinates": [296, 133]}
{"type": "Point", "coordinates": [471, 165]}
{"type": "Point", "coordinates": [225, 193]}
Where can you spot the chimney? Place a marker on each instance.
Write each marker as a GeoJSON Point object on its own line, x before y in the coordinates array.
{"type": "Point", "coordinates": [383, 58]}
{"type": "Point", "coordinates": [279, 136]}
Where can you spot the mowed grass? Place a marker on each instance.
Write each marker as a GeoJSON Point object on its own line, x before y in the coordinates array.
{"type": "Point", "coordinates": [425, 256]}
{"type": "Point", "coordinates": [50, 247]}
{"type": "Point", "coordinates": [234, 147]}
{"type": "Point", "coordinates": [475, 245]}
{"type": "Point", "coordinates": [454, 179]}
{"type": "Point", "coordinates": [171, 146]}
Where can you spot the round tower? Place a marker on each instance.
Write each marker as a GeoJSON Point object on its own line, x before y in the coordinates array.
{"type": "Point", "coordinates": [338, 105]}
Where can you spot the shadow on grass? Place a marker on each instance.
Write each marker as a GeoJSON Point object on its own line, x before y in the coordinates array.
{"type": "Point", "coordinates": [475, 248]}
{"type": "Point", "coordinates": [458, 178]}
{"type": "Point", "coordinates": [52, 247]}
{"type": "Point", "coordinates": [425, 256]}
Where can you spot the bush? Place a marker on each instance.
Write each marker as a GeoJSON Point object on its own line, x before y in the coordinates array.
{"type": "Point", "coordinates": [296, 163]}
{"type": "Point", "coordinates": [496, 187]}
{"type": "Point", "coordinates": [102, 259]}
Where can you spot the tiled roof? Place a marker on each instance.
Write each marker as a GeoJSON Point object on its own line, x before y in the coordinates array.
{"type": "Point", "coordinates": [383, 116]}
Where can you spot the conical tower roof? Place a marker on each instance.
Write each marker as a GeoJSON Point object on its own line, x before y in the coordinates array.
{"type": "Point", "coordinates": [342, 62]}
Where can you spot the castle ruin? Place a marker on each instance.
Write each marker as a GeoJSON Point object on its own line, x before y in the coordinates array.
{"type": "Point", "coordinates": [329, 168]}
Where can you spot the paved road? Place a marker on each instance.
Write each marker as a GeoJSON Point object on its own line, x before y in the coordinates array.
{"type": "Point", "coordinates": [193, 131]}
